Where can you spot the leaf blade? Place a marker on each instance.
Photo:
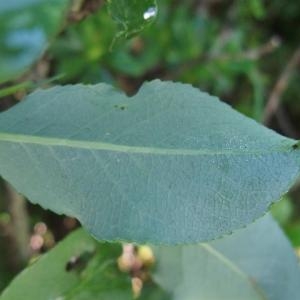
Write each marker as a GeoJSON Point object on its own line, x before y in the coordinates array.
{"type": "Point", "coordinates": [169, 165]}
{"type": "Point", "coordinates": [95, 274]}
{"type": "Point", "coordinates": [253, 263]}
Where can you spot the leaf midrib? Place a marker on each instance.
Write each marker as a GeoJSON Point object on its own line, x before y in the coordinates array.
{"type": "Point", "coordinates": [90, 145]}
{"type": "Point", "coordinates": [231, 265]}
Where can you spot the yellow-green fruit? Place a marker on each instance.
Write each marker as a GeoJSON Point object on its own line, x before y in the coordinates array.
{"type": "Point", "coordinates": [146, 255]}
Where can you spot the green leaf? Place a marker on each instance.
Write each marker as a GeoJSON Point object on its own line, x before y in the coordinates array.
{"type": "Point", "coordinates": [132, 16]}
{"type": "Point", "coordinates": [292, 230]}
{"type": "Point", "coordinates": [25, 29]}
{"type": "Point", "coordinates": [151, 291]}
{"type": "Point", "coordinates": [169, 165]}
{"type": "Point", "coordinates": [76, 268]}
{"type": "Point", "coordinates": [253, 263]}
{"type": "Point", "coordinates": [283, 210]}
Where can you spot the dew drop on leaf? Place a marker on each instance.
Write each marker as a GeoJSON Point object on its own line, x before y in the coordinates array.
{"type": "Point", "coordinates": [150, 13]}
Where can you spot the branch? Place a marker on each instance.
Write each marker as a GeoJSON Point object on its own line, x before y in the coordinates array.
{"type": "Point", "coordinates": [280, 86]}
{"type": "Point", "coordinates": [82, 8]}
{"type": "Point", "coordinates": [18, 228]}
{"type": "Point", "coordinates": [251, 54]}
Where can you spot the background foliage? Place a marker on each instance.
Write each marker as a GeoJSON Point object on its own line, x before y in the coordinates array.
{"type": "Point", "coordinates": [246, 52]}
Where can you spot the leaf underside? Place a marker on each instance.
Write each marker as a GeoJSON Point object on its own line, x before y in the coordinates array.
{"type": "Point", "coordinates": [169, 165]}
{"type": "Point", "coordinates": [256, 263]}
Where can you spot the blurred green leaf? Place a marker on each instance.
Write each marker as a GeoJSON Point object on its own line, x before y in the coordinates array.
{"type": "Point", "coordinates": [25, 29]}
{"type": "Point", "coordinates": [27, 85]}
{"type": "Point", "coordinates": [254, 263]}
{"type": "Point", "coordinates": [282, 211]}
{"type": "Point", "coordinates": [292, 230]}
{"type": "Point", "coordinates": [132, 16]}
{"type": "Point", "coordinates": [77, 268]}
{"type": "Point", "coordinates": [257, 8]}
{"type": "Point", "coordinates": [17, 87]}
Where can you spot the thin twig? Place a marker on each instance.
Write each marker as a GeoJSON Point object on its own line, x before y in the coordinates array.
{"type": "Point", "coordinates": [83, 8]}
{"type": "Point", "coordinates": [280, 86]}
{"type": "Point", "coordinates": [285, 124]}
{"type": "Point", "coordinates": [18, 227]}
{"type": "Point", "coordinates": [251, 54]}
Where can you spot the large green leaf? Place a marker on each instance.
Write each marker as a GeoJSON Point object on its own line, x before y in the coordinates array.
{"type": "Point", "coordinates": [254, 263]}
{"type": "Point", "coordinates": [169, 165]}
{"type": "Point", "coordinates": [92, 275]}
{"type": "Point", "coordinates": [25, 28]}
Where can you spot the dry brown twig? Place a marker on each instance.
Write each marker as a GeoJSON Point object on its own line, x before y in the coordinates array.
{"type": "Point", "coordinates": [250, 54]}
{"type": "Point", "coordinates": [280, 86]}
{"type": "Point", "coordinates": [16, 231]}
{"type": "Point", "coordinates": [83, 8]}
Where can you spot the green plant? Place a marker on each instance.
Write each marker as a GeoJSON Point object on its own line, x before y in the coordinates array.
{"type": "Point", "coordinates": [169, 166]}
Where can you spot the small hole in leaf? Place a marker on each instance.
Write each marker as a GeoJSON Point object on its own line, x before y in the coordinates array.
{"type": "Point", "coordinates": [73, 263]}
{"type": "Point", "coordinates": [121, 107]}
{"type": "Point", "coordinates": [78, 263]}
